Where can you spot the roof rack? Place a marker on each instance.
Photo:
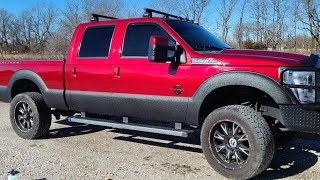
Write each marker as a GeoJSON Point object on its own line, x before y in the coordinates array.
{"type": "Point", "coordinates": [148, 13]}
{"type": "Point", "coordinates": [95, 17]}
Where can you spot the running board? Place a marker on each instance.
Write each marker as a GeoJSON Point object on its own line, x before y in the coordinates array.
{"type": "Point", "coordinates": [177, 131]}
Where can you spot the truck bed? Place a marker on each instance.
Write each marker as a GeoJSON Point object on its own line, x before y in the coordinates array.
{"type": "Point", "coordinates": [50, 73]}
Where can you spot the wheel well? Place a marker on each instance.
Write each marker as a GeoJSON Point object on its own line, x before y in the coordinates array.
{"type": "Point", "coordinates": [233, 95]}
{"type": "Point", "coordinates": [23, 85]}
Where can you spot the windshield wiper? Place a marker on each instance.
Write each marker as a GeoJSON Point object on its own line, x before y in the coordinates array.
{"type": "Point", "coordinates": [207, 48]}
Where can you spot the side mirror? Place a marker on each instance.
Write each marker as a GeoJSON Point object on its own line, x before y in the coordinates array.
{"type": "Point", "coordinates": [158, 49]}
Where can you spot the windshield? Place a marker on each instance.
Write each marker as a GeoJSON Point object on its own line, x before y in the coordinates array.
{"type": "Point", "coordinates": [196, 36]}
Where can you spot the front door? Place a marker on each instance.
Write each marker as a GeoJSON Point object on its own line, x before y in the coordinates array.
{"type": "Point", "coordinates": [156, 91]}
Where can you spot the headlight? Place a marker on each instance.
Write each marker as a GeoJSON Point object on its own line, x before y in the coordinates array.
{"type": "Point", "coordinates": [307, 94]}
{"type": "Point", "coordinates": [299, 78]}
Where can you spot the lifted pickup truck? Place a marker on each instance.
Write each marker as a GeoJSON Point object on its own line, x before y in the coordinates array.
{"type": "Point", "coordinates": [169, 70]}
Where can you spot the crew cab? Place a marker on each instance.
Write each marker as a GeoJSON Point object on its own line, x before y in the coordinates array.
{"type": "Point", "coordinates": [170, 70]}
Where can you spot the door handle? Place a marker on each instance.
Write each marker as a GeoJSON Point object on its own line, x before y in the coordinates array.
{"type": "Point", "coordinates": [117, 72]}
{"type": "Point", "coordinates": [74, 72]}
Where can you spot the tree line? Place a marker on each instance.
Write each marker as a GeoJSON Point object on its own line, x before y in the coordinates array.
{"type": "Point", "coordinates": [44, 29]}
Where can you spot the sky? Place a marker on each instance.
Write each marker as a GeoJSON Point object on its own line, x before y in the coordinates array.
{"type": "Point", "coordinates": [16, 6]}
{"type": "Point", "coordinates": [210, 22]}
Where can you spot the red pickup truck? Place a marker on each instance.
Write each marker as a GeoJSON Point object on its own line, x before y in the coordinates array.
{"type": "Point", "coordinates": [169, 70]}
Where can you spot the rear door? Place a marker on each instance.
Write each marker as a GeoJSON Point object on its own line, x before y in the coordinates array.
{"type": "Point", "coordinates": [90, 71]}
{"type": "Point", "coordinates": [157, 91]}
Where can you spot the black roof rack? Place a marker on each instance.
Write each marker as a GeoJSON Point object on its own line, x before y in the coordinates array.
{"type": "Point", "coordinates": [95, 17]}
{"type": "Point", "coordinates": [148, 13]}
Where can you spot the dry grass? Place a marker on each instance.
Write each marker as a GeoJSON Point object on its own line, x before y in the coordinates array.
{"type": "Point", "coordinates": [31, 56]}
{"type": "Point", "coordinates": [303, 51]}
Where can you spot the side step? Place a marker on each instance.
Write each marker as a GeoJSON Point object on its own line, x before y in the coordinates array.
{"type": "Point", "coordinates": [177, 131]}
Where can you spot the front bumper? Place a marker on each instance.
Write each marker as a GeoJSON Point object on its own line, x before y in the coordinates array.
{"type": "Point", "coordinates": [296, 118]}
{"type": "Point", "coordinates": [303, 117]}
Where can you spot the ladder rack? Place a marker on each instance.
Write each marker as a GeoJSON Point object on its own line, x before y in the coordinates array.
{"type": "Point", "coordinates": [95, 17]}
{"type": "Point", "coordinates": [148, 13]}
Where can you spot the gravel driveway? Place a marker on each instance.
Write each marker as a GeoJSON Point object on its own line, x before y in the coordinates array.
{"type": "Point", "coordinates": [74, 151]}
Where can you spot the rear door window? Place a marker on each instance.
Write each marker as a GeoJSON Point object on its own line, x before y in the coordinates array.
{"type": "Point", "coordinates": [96, 42]}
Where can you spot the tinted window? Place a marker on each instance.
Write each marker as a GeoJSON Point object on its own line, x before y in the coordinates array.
{"type": "Point", "coordinates": [196, 36]}
{"type": "Point", "coordinates": [137, 38]}
{"type": "Point", "coordinates": [96, 42]}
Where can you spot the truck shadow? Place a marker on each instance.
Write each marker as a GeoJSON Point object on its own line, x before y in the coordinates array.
{"type": "Point", "coordinates": [73, 129]}
{"type": "Point", "coordinates": [298, 156]}
{"type": "Point", "coordinates": [191, 144]}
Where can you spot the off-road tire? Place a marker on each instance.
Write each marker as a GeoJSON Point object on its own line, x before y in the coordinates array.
{"type": "Point", "coordinates": [260, 140]}
{"type": "Point", "coordinates": [41, 115]}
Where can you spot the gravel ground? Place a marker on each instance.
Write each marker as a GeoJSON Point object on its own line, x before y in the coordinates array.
{"type": "Point", "coordinates": [74, 151]}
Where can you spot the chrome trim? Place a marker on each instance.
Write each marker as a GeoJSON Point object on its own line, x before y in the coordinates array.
{"type": "Point", "coordinates": [210, 61]}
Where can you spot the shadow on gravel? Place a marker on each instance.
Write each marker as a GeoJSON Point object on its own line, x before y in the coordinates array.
{"type": "Point", "coordinates": [296, 157]}
{"type": "Point", "coordinates": [299, 155]}
{"type": "Point", "coordinates": [158, 140]}
{"type": "Point", "coordinates": [74, 129]}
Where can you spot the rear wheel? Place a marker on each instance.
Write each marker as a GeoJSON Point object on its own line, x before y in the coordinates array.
{"type": "Point", "coordinates": [29, 115]}
{"type": "Point", "coordinates": [237, 142]}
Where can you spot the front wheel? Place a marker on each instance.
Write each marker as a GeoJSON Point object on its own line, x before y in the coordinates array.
{"type": "Point", "coordinates": [29, 115]}
{"type": "Point", "coordinates": [237, 142]}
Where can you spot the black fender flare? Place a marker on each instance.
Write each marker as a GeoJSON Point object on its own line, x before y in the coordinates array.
{"type": "Point", "coordinates": [27, 75]}
{"type": "Point", "coordinates": [53, 98]}
{"type": "Point", "coordinates": [234, 78]}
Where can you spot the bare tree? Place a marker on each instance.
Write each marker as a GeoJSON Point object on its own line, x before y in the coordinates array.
{"type": "Point", "coordinates": [16, 36]}
{"type": "Point", "coordinates": [295, 22]}
{"type": "Point", "coordinates": [44, 17]}
{"type": "Point", "coordinates": [226, 13]}
{"type": "Point", "coordinates": [5, 26]}
{"type": "Point", "coordinates": [25, 19]}
{"type": "Point", "coordinates": [191, 9]}
{"type": "Point", "coordinates": [106, 7]}
{"type": "Point", "coordinates": [71, 16]}
{"type": "Point", "coordinates": [311, 8]}
{"type": "Point", "coordinates": [42, 28]}
{"type": "Point", "coordinates": [195, 9]}
{"type": "Point", "coordinates": [239, 28]}
{"type": "Point", "coordinates": [260, 11]}
{"type": "Point", "coordinates": [170, 6]}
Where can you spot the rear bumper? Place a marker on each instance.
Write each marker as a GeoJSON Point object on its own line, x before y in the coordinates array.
{"type": "Point", "coordinates": [297, 119]}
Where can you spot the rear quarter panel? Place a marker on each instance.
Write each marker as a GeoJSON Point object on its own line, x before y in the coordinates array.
{"type": "Point", "coordinates": [50, 71]}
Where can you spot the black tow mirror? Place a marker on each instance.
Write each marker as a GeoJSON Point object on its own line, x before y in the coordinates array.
{"type": "Point", "coordinates": [158, 49]}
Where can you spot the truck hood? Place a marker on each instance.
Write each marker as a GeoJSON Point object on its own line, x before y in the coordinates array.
{"type": "Point", "coordinates": [234, 57]}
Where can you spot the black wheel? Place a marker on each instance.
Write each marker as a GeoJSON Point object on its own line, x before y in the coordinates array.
{"type": "Point", "coordinates": [29, 116]}
{"type": "Point", "coordinates": [237, 142]}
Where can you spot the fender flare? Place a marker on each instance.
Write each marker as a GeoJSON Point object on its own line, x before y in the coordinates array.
{"type": "Point", "coordinates": [234, 78]}
{"type": "Point", "coordinates": [28, 75]}
{"type": "Point", "coordinates": [53, 98]}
